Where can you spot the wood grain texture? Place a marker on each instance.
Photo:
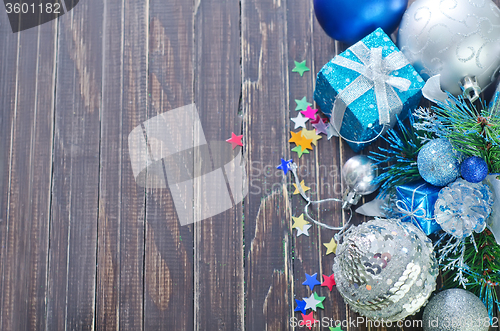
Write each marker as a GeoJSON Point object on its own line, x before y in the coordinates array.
{"type": "Point", "coordinates": [27, 222]}
{"type": "Point", "coordinates": [218, 241]}
{"type": "Point", "coordinates": [268, 261]}
{"type": "Point", "coordinates": [169, 292]}
{"type": "Point", "coordinates": [73, 236]}
{"type": "Point", "coordinates": [121, 200]}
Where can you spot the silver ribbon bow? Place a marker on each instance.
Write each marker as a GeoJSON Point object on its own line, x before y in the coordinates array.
{"type": "Point", "coordinates": [374, 73]}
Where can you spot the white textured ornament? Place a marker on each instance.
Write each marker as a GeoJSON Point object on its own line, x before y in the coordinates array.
{"type": "Point", "coordinates": [385, 269]}
{"type": "Point", "coordinates": [452, 38]}
{"type": "Point", "coordinates": [494, 220]}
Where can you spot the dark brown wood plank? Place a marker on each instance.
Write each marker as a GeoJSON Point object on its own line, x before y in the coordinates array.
{"type": "Point", "coordinates": [218, 241]}
{"type": "Point", "coordinates": [268, 261]}
{"type": "Point", "coordinates": [27, 222]}
{"type": "Point", "coordinates": [169, 294]}
{"type": "Point", "coordinates": [121, 200]}
{"type": "Point", "coordinates": [73, 234]}
{"type": "Point", "coordinates": [8, 70]}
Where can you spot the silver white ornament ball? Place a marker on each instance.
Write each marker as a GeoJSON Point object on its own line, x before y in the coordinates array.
{"type": "Point", "coordinates": [455, 310]}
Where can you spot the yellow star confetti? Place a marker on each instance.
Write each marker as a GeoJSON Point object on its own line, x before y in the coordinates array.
{"type": "Point", "coordinates": [299, 222]}
{"type": "Point", "coordinates": [331, 247]}
{"type": "Point", "coordinates": [304, 187]}
{"type": "Point", "coordinates": [296, 137]}
{"type": "Point", "coordinates": [311, 134]}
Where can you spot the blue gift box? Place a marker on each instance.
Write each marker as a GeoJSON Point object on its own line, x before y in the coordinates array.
{"type": "Point", "coordinates": [373, 83]}
{"type": "Point", "coordinates": [415, 202]}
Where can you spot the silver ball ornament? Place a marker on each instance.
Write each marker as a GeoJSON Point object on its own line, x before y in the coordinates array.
{"type": "Point", "coordinates": [385, 269]}
{"type": "Point", "coordinates": [455, 310]}
{"type": "Point", "coordinates": [453, 38]}
{"type": "Point", "coordinates": [358, 176]}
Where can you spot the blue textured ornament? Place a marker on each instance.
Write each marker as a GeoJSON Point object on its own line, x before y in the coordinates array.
{"type": "Point", "coordinates": [438, 163]}
{"type": "Point", "coordinates": [349, 21]}
{"type": "Point", "coordinates": [415, 204]}
{"type": "Point", "coordinates": [474, 169]}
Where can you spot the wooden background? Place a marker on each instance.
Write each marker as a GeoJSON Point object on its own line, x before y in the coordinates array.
{"type": "Point", "coordinates": [82, 246]}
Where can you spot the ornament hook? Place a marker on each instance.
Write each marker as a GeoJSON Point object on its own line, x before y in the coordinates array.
{"type": "Point", "coordinates": [470, 88]}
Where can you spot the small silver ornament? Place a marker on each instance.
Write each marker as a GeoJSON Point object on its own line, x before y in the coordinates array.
{"type": "Point", "coordinates": [385, 269]}
{"type": "Point", "coordinates": [457, 39]}
{"type": "Point", "coordinates": [358, 175]}
{"type": "Point", "coordinates": [455, 310]}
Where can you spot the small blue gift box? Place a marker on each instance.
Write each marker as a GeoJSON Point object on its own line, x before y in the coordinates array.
{"type": "Point", "coordinates": [364, 88]}
{"type": "Point", "coordinates": [415, 202]}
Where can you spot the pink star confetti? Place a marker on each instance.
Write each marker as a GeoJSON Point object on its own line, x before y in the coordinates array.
{"type": "Point", "coordinates": [235, 140]}
{"type": "Point", "coordinates": [309, 113]}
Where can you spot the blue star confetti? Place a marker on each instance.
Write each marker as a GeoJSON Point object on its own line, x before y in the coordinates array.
{"type": "Point", "coordinates": [311, 281]}
{"type": "Point", "coordinates": [285, 165]}
{"type": "Point", "coordinates": [301, 306]}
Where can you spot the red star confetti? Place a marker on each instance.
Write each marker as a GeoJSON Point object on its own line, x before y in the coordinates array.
{"type": "Point", "coordinates": [308, 320]}
{"type": "Point", "coordinates": [309, 112]}
{"type": "Point", "coordinates": [329, 281]}
{"type": "Point", "coordinates": [318, 118]}
{"type": "Point", "coordinates": [235, 140]}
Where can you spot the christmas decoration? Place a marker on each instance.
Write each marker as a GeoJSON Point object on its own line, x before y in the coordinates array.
{"type": "Point", "coordinates": [438, 163]}
{"type": "Point", "coordinates": [463, 207]}
{"type": "Point", "coordinates": [415, 203]}
{"type": "Point", "coordinates": [331, 247]}
{"type": "Point", "coordinates": [308, 320]}
{"type": "Point", "coordinates": [364, 88]}
{"type": "Point", "coordinates": [349, 21]}
{"type": "Point", "coordinates": [458, 40]}
{"type": "Point", "coordinates": [455, 310]}
{"type": "Point", "coordinates": [385, 269]}
{"type": "Point", "coordinates": [300, 121]}
{"type": "Point", "coordinates": [358, 174]}
{"type": "Point", "coordinates": [301, 306]}
{"type": "Point", "coordinates": [473, 131]}
{"type": "Point", "coordinates": [475, 267]}
{"type": "Point", "coordinates": [329, 281]}
{"type": "Point", "coordinates": [399, 158]}
{"type": "Point", "coordinates": [285, 165]}
{"type": "Point", "coordinates": [474, 169]}
{"type": "Point", "coordinates": [493, 222]}
{"type": "Point", "coordinates": [300, 67]}
{"type": "Point", "coordinates": [302, 185]}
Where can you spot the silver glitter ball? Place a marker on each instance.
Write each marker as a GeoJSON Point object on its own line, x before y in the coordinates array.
{"type": "Point", "coordinates": [358, 177]}
{"type": "Point", "coordinates": [455, 310]}
{"type": "Point", "coordinates": [455, 39]}
{"type": "Point", "coordinates": [385, 269]}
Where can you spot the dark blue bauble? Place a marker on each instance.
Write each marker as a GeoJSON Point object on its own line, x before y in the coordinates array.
{"type": "Point", "coordinates": [474, 169]}
{"type": "Point", "coordinates": [351, 20]}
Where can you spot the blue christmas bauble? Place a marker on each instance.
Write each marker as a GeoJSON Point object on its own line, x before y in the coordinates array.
{"type": "Point", "coordinates": [438, 163]}
{"type": "Point", "coordinates": [474, 169]}
{"type": "Point", "coordinates": [350, 21]}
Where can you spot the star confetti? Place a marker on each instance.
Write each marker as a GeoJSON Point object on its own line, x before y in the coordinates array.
{"type": "Point", "coordinates": [330, 131]}
{"type": "Point", "coordinates": [302, 104]}
{"type": "Point", "coordinates": [320, 299]}
{"type": "Point", "coordinates": [300, 121]}
{"type": "Point", "coordinates": [321, 127]}
{"type": "Point", "coordinates": [304, 231]}
{"type": "Point", "coordinates": [309, 112]}
{"type": "Point", "coordinates": [296, 137]}
{"type": "Point", "coordinates": [337, 328]}
{"type": "Point", "coordinates": [235, 140]}
{"type": "Point", "coordinates": [311, 134]}
{"type": "Point", "coordinates": [299, 222]}
{"type": "Point", "coordinates": [331, 247]}
{"type": "Point", "coordinates": [329, 281]}
{"type": "Point", "coordinates": [308, 320]}
{"type": "Point", "coordinates": [304, 187]}
{"type": "Point", "coordinates": [311, 281]}
{"type": "Point", "coordinates": [312, 302]}
{"type": "Point", "coordinates": [300, 67]}
{"type": "Point", "coordinates": [301, 306]}
{"type": "Point", "coordinates": [285, 165]}
{"type": "Point", "coordinates": [319, 118]}
{"type": "Point", "coordinates": [299, 151]}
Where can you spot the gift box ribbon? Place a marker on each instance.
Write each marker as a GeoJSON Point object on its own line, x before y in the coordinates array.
{"type": "Point", "coordinates": [374, 73]}
{"type": "Point", "coordinates": [413, 214]}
